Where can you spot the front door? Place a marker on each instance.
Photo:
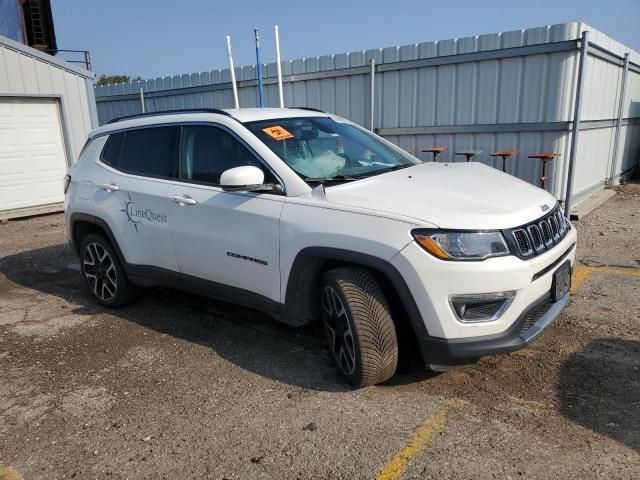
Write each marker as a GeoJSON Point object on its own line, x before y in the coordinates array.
{"type": "Point", "coordinates": [228, 238]}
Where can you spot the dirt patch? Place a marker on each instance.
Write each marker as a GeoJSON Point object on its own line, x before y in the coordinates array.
{"type": "Point", "coordinates": [176, 386]}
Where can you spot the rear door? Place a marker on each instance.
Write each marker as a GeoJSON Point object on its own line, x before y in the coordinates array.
{"type": "Point", "coordinates": [133, 193]}
{"type": "Point", "coordinates": [231, 238]}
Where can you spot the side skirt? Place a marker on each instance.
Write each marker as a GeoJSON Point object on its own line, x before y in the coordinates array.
{"type": "Point", "coordinates": [150, 276]}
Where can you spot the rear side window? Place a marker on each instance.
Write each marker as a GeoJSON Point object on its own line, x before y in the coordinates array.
{"type": "Point", "coordinates": [111, 150]}
{"type": "Point", "coordinates": [150, 151]}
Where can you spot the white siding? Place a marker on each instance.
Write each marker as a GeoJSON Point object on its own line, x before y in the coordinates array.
{"type": "Point", "coordinates": [25, 72]}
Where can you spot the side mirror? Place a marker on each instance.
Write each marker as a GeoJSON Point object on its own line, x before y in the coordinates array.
{"type": "Point", "coordinates": [243, 179]}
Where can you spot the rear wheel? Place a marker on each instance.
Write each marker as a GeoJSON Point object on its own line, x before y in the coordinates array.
{"type": "Point", "coordinates": [103, 273]}
{"type": "Point", "coordinates": [358, 325]}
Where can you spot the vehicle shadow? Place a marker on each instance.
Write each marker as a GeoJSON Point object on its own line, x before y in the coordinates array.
{"type": "Point", "coordinates": [245, 337]}
{"type": "Point", "coordinates": [599, 388]}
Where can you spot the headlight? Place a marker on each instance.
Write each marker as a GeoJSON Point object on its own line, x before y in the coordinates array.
{"type": "Point", "coordinates": [461, 245]}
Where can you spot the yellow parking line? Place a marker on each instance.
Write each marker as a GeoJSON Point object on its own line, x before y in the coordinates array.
{"type": "Point", "coordinates": [425, 433]}
{"type": "Point", "coordinates": [580, 276]}
{"type": "Point", "coordinates": [8, 473]}
{"type": "Point", "coordinates": [624, 272]}
{"type": "Point", "coordinates": [435, 424]}
{"type": "Point", "coordinates": [583, 272]}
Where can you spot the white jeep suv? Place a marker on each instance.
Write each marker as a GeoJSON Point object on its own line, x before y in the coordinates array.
{"type": "Point", "coordinates": [307, 216]}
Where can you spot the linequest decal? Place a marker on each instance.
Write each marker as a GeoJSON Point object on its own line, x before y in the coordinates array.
{"type": "Point", "coordinates": [136, 215]}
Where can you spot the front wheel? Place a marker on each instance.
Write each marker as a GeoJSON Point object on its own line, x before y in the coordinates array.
{"type": "Point", "coordinates": [358, 325]}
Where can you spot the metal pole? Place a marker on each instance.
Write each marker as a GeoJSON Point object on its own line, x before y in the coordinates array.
{"type": "Point", "coordinates": [280, 94]}
{"type": "Point", "coordinates": [616, 141]}
{"type": "Point", "coordinates": [373, 94]}
{"type": "Point", "coordinates": [584, 50]}
{"type": "Point", "coordinates": [142, 99]}
{"type": "Point", "coordinates": [259, 65]}
{"type": "Point", "coordinates": [233, 74]}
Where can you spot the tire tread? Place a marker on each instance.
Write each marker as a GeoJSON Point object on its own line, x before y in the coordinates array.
{"type": "Point", "coordinates": [374, 330]}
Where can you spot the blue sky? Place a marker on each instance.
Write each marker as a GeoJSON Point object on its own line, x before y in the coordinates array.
{"type": "Point", "coordinates": [168, 37]}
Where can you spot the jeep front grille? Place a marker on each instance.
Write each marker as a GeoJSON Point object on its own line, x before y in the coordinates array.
{"type": "Point", "coordinates": [524, 244]}
{"type": "Point", "coordinates": [537, 237]}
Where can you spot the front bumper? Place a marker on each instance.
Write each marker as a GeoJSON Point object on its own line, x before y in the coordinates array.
{"type": "Point", "coordinates": [445, 340]}
{"type": "Point", "coordinates": [443, 353]}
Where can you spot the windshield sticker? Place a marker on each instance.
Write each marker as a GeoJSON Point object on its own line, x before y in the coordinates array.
{"type": "Point", "coordinates": [136, 215]}
{"type": "Point", "coordinates": [277, 132]}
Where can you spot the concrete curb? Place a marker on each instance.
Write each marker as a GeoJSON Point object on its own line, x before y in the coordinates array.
{"type": "Point", "coordinates": [591, 203]}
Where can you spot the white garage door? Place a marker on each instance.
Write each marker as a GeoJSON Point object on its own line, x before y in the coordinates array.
{"type": "Point", "coordinates": [32, 154]}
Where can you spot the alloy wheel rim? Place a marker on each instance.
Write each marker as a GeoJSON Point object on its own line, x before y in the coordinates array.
{"type": "Point", "coordinates": [100, 272]}
{"type": "Point", "coordinates": [337, 326]}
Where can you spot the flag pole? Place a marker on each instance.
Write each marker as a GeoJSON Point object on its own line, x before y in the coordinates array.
{"type": "Point", "coordinates": [280, 94]}
{"type": "Point", "coordinates": [259, 66]}
{"type": "Point", "coordinates": [233, 74]}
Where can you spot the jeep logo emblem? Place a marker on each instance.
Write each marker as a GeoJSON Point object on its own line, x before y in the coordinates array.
{"type": "Point", "coordinates": [544, 207]}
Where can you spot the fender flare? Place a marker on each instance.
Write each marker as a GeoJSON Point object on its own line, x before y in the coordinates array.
{"type": "Point", "coordinates": [303, 278]}
{"type": "Point", "coordinates": [99, 222]}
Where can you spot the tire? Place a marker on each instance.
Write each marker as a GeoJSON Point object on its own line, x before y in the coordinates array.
{"type": "Point", "coordinates": [103, 273]}
{"type": "Point", "coordinates": [355, 309]}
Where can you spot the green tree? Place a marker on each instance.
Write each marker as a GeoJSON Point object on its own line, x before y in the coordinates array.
{"type": "Point", "coordinates": [108, 79]}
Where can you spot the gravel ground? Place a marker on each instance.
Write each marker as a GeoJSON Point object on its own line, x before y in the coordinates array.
{"type": "Point", "coordinates": [176, 386]}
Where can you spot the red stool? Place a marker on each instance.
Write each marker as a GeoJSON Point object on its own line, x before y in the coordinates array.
{"type": "Point", "coordinates": [435, 151]}
{"type": "Point", "coordinates": [504, 154]}
{"type": "Point", "coordinates": [544, 158]}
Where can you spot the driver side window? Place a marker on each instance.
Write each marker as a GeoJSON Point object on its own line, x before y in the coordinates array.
{"type": "Point", "coordinates": [207, 151]}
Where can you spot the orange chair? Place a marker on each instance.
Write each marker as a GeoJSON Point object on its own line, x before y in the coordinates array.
{"type": "Point", "coordinates": [435, 151]}
{"type": "Point", "coordinates": [544, 158]}
{"type": "Point", "coordinates": [504, 154]}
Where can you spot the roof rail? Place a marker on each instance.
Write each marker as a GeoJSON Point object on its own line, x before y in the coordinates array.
{"type": "Point", "coordinates": [171, 112]}
{"type": "Point", "coordinates": [311, 109]}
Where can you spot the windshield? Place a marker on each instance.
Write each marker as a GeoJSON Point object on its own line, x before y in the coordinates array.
{"type": "Point", "coordinates": [320, 149]}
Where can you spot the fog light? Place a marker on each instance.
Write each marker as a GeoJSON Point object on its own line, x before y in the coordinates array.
{"type": "Point", "coordinates": [481, 307]}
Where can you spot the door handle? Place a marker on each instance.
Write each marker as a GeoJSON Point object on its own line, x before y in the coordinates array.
{"type": "Point", "coordinates": [110, 187]}
{"type": "Point", "coordinates": [186, 200]}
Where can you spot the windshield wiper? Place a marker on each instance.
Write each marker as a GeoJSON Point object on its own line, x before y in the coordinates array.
{"type": "Point", "coordinates": [398, 167]}
{"type": "Point", "coordinates": [387, 170]}
{"type": "Point", "coordinates": [335, 178]}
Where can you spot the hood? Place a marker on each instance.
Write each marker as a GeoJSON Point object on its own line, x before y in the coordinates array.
{"type": "Point", "coordinates": [454, 195]}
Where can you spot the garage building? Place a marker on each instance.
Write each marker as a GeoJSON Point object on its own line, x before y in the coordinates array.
{"type": "Point", "coordinates": [47, 107]}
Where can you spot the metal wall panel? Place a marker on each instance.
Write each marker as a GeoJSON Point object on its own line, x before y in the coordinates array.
{"type": "Point", "coordinates": [631, 107]}
{"type": "Point", "coordinates": [26, 72]}
{"type": "Point", "coordinates": [629, 148]}
{"type": "Point", "coordinates": [478, 91]}
{"type": "Point", "coordinates": [595, 149]}
{"type": "Point", "coordinates": [601, 90]}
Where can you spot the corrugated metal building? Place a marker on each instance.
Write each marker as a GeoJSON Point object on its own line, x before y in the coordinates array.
{"type": "Point", "coordinates": [47, 108]}
{"type": "Point", "coordinates": [510, 90]}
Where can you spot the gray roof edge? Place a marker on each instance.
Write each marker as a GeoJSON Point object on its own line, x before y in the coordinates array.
{"type": "Point", "coordinates": [50, 59]}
